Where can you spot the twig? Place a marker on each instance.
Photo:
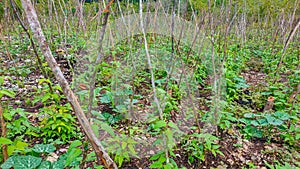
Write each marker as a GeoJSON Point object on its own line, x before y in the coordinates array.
{"type": "Point", "coordinates": [40, 65]}
{"type": "Point", "coordinates": [105, 10]}
{"type": "Point", "coordinates": [149, 62]}
{"type": "Point", "coordinates": [98, 59]}
{"type": "Point", "coordinates": [3, 134]}
{"type": "Point", "coordinates": [6, 48]}
{"type": "Point", "coordinates": [290, 37]}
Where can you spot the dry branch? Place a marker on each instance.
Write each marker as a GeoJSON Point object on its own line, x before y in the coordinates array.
{"type": "Point", "coordinates": [3, 134]}
{"type": "Point", "coordinates": [39, 35]}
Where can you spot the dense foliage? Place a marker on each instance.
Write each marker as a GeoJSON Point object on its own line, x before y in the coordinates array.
{"type": "Point", "coordinates": [246, 111]}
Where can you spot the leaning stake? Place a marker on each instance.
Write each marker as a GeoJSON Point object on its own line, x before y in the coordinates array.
{"type": "Point", "coordinates": [39, 35]}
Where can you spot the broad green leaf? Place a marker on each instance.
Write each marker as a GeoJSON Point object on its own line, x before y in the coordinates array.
{"type": "Point", "coordinates": [162, 159]}
{"type": "Point", "coordinates": [106, 98]}
{"type": "Point", "coordinates": [276, 122]}
{"type": "Point", "coordinates": [155, 157]}
{"type": "Point", "coordinates": [72, 155]}
{"type": "Point", "coordinates": [263, 122]}
{"type": "Point", "coordinates": [45, 165]}
{"type": "Point", "coordinates": [5, 141]}
{"type": "Point", "coordinates": [254, 123]}
{"type": "Point", "coordinates": [1, 80]}
{"type": "Point", "coordinates": [168, 166]}
{"type": "Point", "coordinates": [27, 162]}
{"type": "Point", "coordinates": [281, 115]}
{"type": "Point", "coordinates": [74, 144]}
{"type": "Point", "coordinates": [44, 81]}
{"type": "Point", "coordinates": [156, 164]}
{"type": "Point", "coordinates": [21, 145]}
{"type": "Point", "coordinates": [131, 141]}
{"type": "Point", "coordinates": [9, 163]}
{"type": "Point", "coordinates": [249, 115]}
{"type": "Point", "coordinates": [159, 124]}
{"type": "Point", "coordinates": [266, 93]}
{"type": "Point", "coordinates": [44, 148]}
{"type": "Point", "coordinates": [58, 164]}
{"type": "Point", "coordinates": [257, 133]}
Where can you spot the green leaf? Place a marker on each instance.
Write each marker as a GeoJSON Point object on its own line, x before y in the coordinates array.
{"type": "Point", "coordinates": [249, 115]}
{"type": "Point", "coordinates": [108, 129]}
{"type": "Point", "coordinates": [281, 115]}
{"type": "Point", "coordinates": [173, 125]}
{"type": "Point", "coordinates": [254, 123]}
{"type": "Point", "coordinates": [10, 149]}
{"type": "Point", "coordinates": [277, 122]}
{"type": "Point", "coordinates": [156, 164]}
{"type": "Point", "coordinates": [7, 93]}
{"type": "Point", "coordinates": [44, 81]}
{"type": "Point", "coordinates": [162, 159]}
{"type": "Point", "coordinates": [120, 161]}
{"type": "Point", "coordinates": [21, 145]}
{"type": "Point", "coordinates": [95, 129]}
{"type": "Point", "coordinates": [266, 93]}
{"type": "Point", "coordinates": [58, 164]}
{"type": "Point", "coordinates": [26, 162]}
{"type": "Point", "coordinates": [45, 165]}
{"type": "Point", "coordinates": [72, 155]}
{"type": "Point", "coordinates": [74, 144]}
{"type": "Point", "coordinates": [131, 149]}
{"type": "Point", "coordinates": [9, 163]}
{"type": "Point", "coordinates": [155, 157]}
{"type": "Point", "coordinates": [272, 120]}
{"type": "Point", "coordinates": [124, 145]}
{"type": "Point", "coordinates": [168, 166]}
{"type": "Point", "coordinates": [46, 97]}
{"type": "Point", "coordinates": [159, 124]}
{"type": "Point", "coordinates": [263, 122]}
{"type": "Point", "coordinates": [44, 148]}
{"type": "Point", "coordinates": [106, 98]}
{"type": "Point", "coordinates": [5, 141]}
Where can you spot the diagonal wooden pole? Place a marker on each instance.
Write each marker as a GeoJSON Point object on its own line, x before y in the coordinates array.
{"type": "Point", "coordinates": [39, 35]}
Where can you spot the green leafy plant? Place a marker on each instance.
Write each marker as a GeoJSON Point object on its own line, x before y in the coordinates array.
{"type": "Point", "coordinates": [45, 96]}
{"type": "Point", "coordinates": [4, 91]}
{"type": "Point", "coordinates": [18, 124]}
{"type": "Point", "coordinates": [259, 125]}
{"type": "Point", "coordinates": [36, 158]}
{"type": "Point", "coordinates": [123, 147]}
{"type": "Point", "coordinates": [14, 146]}
{"type": "Point", "coordinates": [279, 166]}
{"type": "Point", "coordinates": [199, 144]}
{"type": "Point", "coordinates": [167, 130]}
{"type": "Point", "coordinates": [58, 122]}
{"type": "Point", "coordinates": [291, 135]}
{"type": "Point", "coordinates": [226, 120]}
{"type": "Point", "coordinates": [160, 161]}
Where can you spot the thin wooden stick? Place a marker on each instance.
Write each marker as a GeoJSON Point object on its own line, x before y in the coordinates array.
{"type": "Point", "coordinates": [3, 134]}
{"type": "Point", "coordinates": [39, 35]}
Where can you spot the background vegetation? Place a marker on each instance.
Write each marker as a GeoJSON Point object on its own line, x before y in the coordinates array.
{"type": "Point", "coordinates": [232, 103]}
